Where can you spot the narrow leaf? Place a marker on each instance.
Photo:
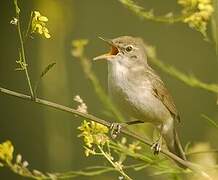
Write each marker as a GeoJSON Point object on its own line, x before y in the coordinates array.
{"type": "Point", "coordinates": [46, 70]}
{"type": "Point", "coordinates": [142, 167]}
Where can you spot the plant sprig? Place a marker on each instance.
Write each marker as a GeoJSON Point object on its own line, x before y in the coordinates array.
{"type": "Point", "coordinates": [195, 13]}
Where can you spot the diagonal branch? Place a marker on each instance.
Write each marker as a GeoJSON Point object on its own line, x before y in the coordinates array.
{"type": "Point", "coordinates": [125, 131]}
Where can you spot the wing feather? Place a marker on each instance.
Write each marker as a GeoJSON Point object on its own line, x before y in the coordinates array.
{"type": "Point", "coordinates": [160, 91]}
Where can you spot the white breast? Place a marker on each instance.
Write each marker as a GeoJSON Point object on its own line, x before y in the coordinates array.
{"type": "Point", "coordinates": [134, 99]}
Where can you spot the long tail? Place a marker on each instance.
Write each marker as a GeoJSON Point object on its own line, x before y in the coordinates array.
{"type": "Point", "coordinates": [178, 146]}
{"type": "Point", "coordinates": [174, 145]}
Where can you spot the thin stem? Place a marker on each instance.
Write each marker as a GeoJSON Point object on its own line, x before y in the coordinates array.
{"type": "Point", "coordinates": [119, 169]}
{"type": "Point", "coordinates": [22, 49]}
{"type": "Point", "coordinates": [97, 171]}
{"type": "Point", "coordinates": [17, 170]}
{"type": "Point", "coordinates": [148, 15]}
{"type": "Point", "coordinates": [189, 80]}
{"type": "Point", "coordinates": [202, 152]}
{"type": "Point", "coordinates": [29, 26]}
{"type": "Point", "coordinates": [194, 167]}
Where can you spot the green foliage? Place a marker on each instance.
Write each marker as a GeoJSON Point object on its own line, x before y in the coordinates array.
{"type": "Point", "coordinates": [117, 153]}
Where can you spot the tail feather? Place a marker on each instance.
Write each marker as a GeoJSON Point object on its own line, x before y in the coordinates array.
{"type": "Point", "coordinates": [178, 150]}
{"type": "Point", "coordinates": [174, 145]}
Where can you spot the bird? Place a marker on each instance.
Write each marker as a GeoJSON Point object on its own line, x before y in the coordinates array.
{"type": "Point", "coordinates": [139, 92]}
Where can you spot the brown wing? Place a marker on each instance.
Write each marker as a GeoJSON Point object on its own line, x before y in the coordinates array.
{"type": "Point", "coordinates": [161, 92]}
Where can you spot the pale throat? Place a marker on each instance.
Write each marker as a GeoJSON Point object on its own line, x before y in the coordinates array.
{"type": "Point", "coordinates": [117, 68]}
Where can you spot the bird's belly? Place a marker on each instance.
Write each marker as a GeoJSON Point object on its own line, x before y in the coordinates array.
{"type": "Point", "coordinates": [138, 102]}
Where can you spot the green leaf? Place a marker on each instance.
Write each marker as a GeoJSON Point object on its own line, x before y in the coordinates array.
{"type": "Point", "coordinates": [44, 72]}
{"type": "Point", "coordinates": [164, 172]}
{"type": "Point", "coordinates": [142, 167]}
{"type": "Point", "coordinates": [47, 69]}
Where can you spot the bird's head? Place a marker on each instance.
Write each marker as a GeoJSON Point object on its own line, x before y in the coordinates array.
{"type": "Point", "coordinates": [126, 50]}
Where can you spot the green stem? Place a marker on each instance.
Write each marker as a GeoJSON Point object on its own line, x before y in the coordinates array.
{"type": "Point", "coordinates": [189, 80]}
{"type": "Point", "coordinates": [113, 164]}
{"type": "Point", "coordinates": [148, 15]}
{"type": "Point", "coordinates": [24, 60]}
{"type": "Point", "coordinates": [29, 26]}
{"type": "Point", "coordinates": [22, 49]}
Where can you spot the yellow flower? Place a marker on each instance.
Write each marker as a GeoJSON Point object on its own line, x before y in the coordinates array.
{"type": "Point", "coordinates": [98, 128]}
{"type": "Point", "coordinates": [38, 28]}
{"type": "Point", "coordinates": [89, 151]}
{"type": "Point", "coordinates": [43, 18]}
{"type": "Point", "coordinates": [93, 133]}
{"type": "Point", "coordinates": [6, 151]}
{"type": "Point", "coordinates": [39, 24]}
{"type": "Point", "coordinates": [133, 147]}
{"type": "Point", "coordinates": [189, 3]}
{"type": "Point", "coordinates": [78, 47]}
{"type": "Point", "coordinates": [46, 33]}
{"type": "Point", "coordinates": [199, 12]}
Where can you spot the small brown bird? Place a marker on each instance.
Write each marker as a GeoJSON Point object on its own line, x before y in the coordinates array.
{"type": "Point", "coordinates": [139, 92]}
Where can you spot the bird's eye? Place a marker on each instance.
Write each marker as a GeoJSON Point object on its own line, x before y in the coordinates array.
{"type": "Point", "coordinates": [129, 48]}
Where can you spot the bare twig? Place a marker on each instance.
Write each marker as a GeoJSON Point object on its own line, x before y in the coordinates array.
{"type": "Point", "coordinates": [125, 131]}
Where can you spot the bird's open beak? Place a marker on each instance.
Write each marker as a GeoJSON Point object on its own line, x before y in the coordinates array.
{"type": "Point", "coordinates": [113, 52]}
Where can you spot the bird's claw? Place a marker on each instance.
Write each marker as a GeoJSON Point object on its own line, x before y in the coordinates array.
{"type": "Point", "coordinates": [115, 129]}
{"type": "Point", "coordinates": [156, 147]}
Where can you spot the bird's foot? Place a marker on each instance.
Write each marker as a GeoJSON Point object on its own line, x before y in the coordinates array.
{"type": "Point", "coordinates": [156, 146]}
{"type": "Point", "coordinates": [115, 129]}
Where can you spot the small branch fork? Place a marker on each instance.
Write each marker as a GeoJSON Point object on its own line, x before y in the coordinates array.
{"type": "Point", "coordinates": [194, 167]}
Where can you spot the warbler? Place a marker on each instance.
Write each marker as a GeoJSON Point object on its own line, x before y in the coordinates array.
{"type": "Point", "coordinates": [139, 92]}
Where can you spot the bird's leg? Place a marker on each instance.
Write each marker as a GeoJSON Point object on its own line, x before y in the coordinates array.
{"type": "Point", "coordinates": [156, 146]}
{"type": "Point", "coordinates": [116, 127]}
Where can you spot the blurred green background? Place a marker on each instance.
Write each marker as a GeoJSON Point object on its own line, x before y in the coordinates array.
{"type": "Point", "coordinates": [47, 138]}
